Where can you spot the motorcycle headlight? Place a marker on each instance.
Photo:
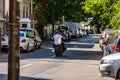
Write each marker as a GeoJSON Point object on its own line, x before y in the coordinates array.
{"type": "Point", "coordinates": [107, 61]}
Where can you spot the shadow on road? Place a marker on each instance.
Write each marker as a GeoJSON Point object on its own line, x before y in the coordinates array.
{"type": "Point", "coordinates": [78, 50]}
{"type": "Point", "coordinates": [70, 54]}
{"type": "Point", "coordinates": [4, 77]}
{"type": "Point", "coordinates": [92, 38]}
{"type": "Point", "coordinates": [73, 45]}
{"type": "Point", "coordinates": [83, 55]}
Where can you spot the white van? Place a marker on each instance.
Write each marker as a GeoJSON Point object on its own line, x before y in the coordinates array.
{"type": "Point", "coordinates": [74, 27]}
{"type": "Point", "coordinates": [65, 31]}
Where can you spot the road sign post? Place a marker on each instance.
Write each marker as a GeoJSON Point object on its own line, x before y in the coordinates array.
{"type": "Point", "coordinates": [32, 17]}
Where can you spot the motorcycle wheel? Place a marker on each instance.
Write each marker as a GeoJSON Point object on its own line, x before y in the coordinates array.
{"type": "Point", "coordinates": [58, 53]}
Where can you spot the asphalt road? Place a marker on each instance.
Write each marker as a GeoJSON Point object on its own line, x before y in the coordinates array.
{"type": "Point", "coordinates": [80, 62]}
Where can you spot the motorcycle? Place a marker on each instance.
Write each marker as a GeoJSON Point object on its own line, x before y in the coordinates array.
{"type": "Point", "coordinates": [59, 50]}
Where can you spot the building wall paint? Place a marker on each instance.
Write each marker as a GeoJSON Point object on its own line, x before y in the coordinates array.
{"type": "Point", "coordinates": [2, 20]}
{"type": "Point", "coordinates": [23, 3]}
{"type": "Point", "coordinates": [24, 17]}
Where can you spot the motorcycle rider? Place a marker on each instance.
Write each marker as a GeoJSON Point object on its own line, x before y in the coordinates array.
{"type": "Point", "coordinates": [58, 40]}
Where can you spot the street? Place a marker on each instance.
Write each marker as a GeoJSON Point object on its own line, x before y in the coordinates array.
{"type": "Point", "coordinates": [79, 62]}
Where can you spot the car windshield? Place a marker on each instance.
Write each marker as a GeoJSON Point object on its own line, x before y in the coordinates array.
{"type": "Point", "coordinates": [27, 30]}
{"type": "Point", "coordinates": [63, 27]}
{"type": "Point", "coordinates": [30, 33]}
{"type": "Point", "coordinates": [22, 34]}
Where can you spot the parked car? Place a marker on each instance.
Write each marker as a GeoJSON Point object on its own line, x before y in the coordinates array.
{"type": "Point", "coordinates": [104, 37]}
{"type": "Point", "coordinates": [113, 45]}
{"type": "Point", "coordinates": [26, 43]}
{"type": "Point", "coordinates": [84, 32]}
{"type": "Point", "coordinates": [110, 66]}
{"type": "Point", "coordinates": [35, 35]}
{"type": "Point", "coordinates": [90, 31]}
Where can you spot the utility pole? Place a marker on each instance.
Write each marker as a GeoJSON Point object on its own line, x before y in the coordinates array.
{"type": "Point", "coordinates": [14, 50]}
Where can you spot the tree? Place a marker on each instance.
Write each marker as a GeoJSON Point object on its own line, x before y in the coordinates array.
{"type": "Point", "coordinates": [72, 10]}
{"type": "Point", "coordinates": [105, 12]}
{"type": "Point", "coordinates": [43, 9]}
{"type": "Point", "coordinates": [115, 20]}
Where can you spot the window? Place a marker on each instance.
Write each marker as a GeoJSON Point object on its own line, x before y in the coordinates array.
{"type": "Point", "coordinates": [24, 25]}
{"type": "Point", "coordinates": [23, 12]}
{"type": "Point", "coordinates": [22, 34]}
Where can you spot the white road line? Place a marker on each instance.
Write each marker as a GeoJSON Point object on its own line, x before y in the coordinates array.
{"type": "Point", "coordinates": [25, 66]}
{"type": "Point", "coordinates": [82, 49]}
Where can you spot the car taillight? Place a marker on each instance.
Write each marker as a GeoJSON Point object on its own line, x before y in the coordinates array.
{"type": "Point", "coordinates": [23, 41]}
{"type": "Point", "coordinates": [116, 48]}
{"type": "Point", "coordinates": [3, 39]}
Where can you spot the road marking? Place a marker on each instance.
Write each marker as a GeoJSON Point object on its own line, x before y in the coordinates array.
{"type": "Point", "coordinates": [80, 43]}
{"type": "Point", "coordinates": [25, 65]}
{"type": "Point", "coordinates": [82, 49]}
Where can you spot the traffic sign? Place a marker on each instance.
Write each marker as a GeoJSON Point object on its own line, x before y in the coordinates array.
{"type": "Point", "coordinates": [32, 16]}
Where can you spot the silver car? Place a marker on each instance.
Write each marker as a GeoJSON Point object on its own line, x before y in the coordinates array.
{"type": "Point", "coordinates": [110, 66]}
{"type": "Point", "coordinates": [113, 44]}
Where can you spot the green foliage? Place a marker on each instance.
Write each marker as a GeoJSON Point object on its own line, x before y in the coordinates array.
{"type": "Point", "coordinates": [106, 13]}
{"type": "Point", "coordinates": [72, 10]}
{"type": "Point", "coordinates": [116, 31]}
{"type": "Point", "coordinates": [28, 34]}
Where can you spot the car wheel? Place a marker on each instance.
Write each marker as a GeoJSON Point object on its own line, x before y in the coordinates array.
{"type": "Point", "coordinates": [36, 46]}
{"type": "Point", "coordinates": [118, 75]}
{"type": "Point", "coordinates": [39, 46]}
{"type": "Point", "coordinates": [2, 49]}
{"type": "Point", "coordinates": [27, 48]}
{"type": "Point", "coordinates": [33, 48]}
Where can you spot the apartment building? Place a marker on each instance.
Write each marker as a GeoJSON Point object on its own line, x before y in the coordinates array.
{"type": "Point", "coordinates": [25, 11]}
{"type": "Point", "coordinates": [2, 19]}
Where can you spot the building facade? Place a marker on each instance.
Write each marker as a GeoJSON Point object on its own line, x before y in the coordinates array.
{"type": "Point", "coordinates": [25, 11]}
{"type": "Point", "coordinates": [2, 16]}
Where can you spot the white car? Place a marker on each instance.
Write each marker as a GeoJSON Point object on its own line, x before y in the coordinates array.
{"type": "Point", "coordinates": [110, 66]}
{"type": "Point", "coordinates": [34, 35]}
{"type": "Point", "coordinates": [26, 43]}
